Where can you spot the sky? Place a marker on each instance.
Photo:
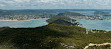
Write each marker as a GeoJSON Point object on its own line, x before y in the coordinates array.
{"type": "Point", "coordinates": [55, 4]}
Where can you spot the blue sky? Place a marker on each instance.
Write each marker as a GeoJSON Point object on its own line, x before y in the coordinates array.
{"type": "Point", "coordinates": [55, 4]}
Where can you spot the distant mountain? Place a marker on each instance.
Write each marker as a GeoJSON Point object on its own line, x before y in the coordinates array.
{"type": "Point", "coordinates": [70, 14]}
{"type": "Point", "coordinates": [26, 14]}
{"type": "Point", "coordinates": [101, 13]}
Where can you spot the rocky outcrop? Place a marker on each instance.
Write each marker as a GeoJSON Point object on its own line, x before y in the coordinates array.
{"type": "Point", "coordinates": [66, 46]}
{"type": "Point", "coordinates": [91, 44]}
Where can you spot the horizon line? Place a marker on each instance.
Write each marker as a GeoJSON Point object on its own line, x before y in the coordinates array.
{"type": "Point", "coordinates": [55, 9]}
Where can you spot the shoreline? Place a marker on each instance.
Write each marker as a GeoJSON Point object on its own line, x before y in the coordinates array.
{"type": "Point", "coordinates": [90, 18]}
{"type": "Point", "coordinates": [22, 20]}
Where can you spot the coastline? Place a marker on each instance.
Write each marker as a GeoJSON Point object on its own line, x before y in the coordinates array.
{"type": "Point", "coordinates": [21, 20]}
{"type": "Point", "coordinates": [16, 20]}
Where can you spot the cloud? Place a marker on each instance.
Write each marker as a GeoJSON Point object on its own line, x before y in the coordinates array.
{"type": "Point", "coordinates": [1, 5]}
{"type": "Point", "coordinates": [20, 1]}
{"type": "Point", "coordinates": [72, 4]}
{"type": "Point", "coordinates": [14, 1]}
{"type": "Point", "coordinates": [9, 2]}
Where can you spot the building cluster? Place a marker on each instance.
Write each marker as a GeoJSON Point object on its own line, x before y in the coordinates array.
{"type": "Point", "coordinates": [20, 17]}
{"type": "Point", "coordinates": [91, 18]}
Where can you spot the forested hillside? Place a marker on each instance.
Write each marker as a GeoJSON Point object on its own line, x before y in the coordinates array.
{"type": "Point", "coordinates": [53, 36]}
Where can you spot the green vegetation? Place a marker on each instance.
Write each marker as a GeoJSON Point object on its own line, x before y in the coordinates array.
{"type": "Point", "coordinates": [50, 37]}
{"type": "Point", "coordinates": [62, 20]}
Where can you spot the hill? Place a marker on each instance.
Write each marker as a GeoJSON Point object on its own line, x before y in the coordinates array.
{"type": "Point", "coordinates": [68, 14]}
{"type": "Point", "coordinates": [63, 21]}
{"type": "Point", "coordinates": [53, 36]}
{"type": "Point", "coordinates": [97, 13]}
{"type": "Point", "coordinates": [34, 14]}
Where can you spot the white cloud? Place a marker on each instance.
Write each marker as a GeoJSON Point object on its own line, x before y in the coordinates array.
{"type": "Point", "coordinates": [9, 2]}
{"type": "Point", "coordinates": [20, 1]}
{"type": "Point", "coordinates": [14, 1]}
{"type": "Point", "coordinates": [57, 3]}
{"type": "Point", "coordinates": [1, 5]}
{"type": "Point", "coordinates": [103, 2]}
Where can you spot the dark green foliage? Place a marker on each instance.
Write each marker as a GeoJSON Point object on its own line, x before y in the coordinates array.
{"type": "Point", "coordinates": [36, 38]}
{"type": "Point", "coordinates": [58, 17]}
{"type": "Point", "coordinates": [62, 20]}
{"type": "Point", "coordinates": [100, 47]}
{"type": "Point", "coordinates": [50, 36]}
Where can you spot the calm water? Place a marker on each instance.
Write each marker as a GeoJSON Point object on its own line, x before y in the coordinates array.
{"type": "Point", "coordinates": [24, 24]}
{"type": "Point", "coordinates": [96, 24]}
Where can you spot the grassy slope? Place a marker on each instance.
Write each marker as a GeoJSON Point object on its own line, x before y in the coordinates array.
{"type": "Point", "coordinates": [50, 36]}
